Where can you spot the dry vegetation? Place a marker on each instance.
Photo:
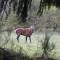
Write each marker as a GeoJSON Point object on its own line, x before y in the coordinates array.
{"type": "Point", "coordinates": [10, 52]}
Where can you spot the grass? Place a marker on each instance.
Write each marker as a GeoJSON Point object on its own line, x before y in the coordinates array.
{"type": "Point", "coordinates": [30, 49]}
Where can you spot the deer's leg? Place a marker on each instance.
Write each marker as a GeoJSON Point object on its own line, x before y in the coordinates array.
{"type": "Point", "coordinates": [30, 38]}
{"type": "Point", "coordinates": [18, 37]}
{"type": "Point", "coordinates": [26, 38]}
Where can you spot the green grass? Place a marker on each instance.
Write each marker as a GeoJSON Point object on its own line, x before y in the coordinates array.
{"type": "Point", "coordinates": [29, 48]}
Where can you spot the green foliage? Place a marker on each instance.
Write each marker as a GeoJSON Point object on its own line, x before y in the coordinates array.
{"type": "Point", "coordinates": [47, 3]}
{"type": "Point", "coordinates": [6, 54]}
{"type": "Point", "coordinates": [20, 8]}
{"type": "Point", "coordinates": [47, 46]}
